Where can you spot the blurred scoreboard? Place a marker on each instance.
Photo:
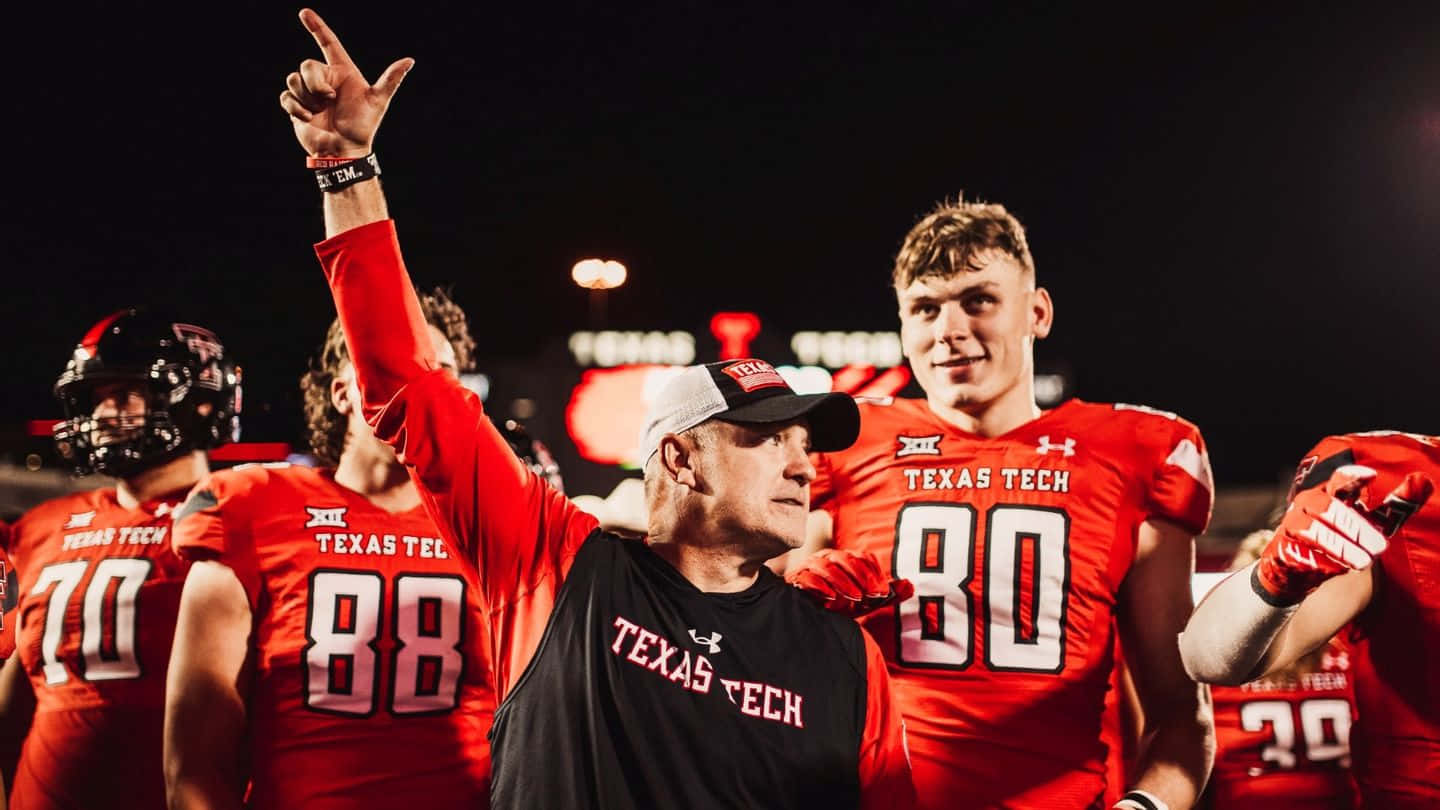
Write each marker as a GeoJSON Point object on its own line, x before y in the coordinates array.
{"type": "Point", "coordinates": [622, 371]}
{"type": "Point", "coordinates": [585, 394]}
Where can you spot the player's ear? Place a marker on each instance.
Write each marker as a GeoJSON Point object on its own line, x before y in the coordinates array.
{"type": "Point", "coordinates": [677, 459]}
{"type": "Point", "coordinates": [1042, 313]}
{"type": "Point", "coordinates": [340, 394]}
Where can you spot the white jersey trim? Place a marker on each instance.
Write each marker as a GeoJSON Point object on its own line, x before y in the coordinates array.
{"type": "Point", "coordinates": [1188, 457]}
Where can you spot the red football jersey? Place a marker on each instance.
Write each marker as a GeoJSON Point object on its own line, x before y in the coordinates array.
{"type": "Point", "coordinates": [99, 589]}
{"type": "Point", "coordinates": [1017, 546]}
{"type": "Point", "coordinates": [1283, 742]}
{"type": "Point", "coordinates": [1395, 642]}
{"type": "Point", "coordinates": [369, 687]}
{"type": "Point", "coordinates": [9, 596]}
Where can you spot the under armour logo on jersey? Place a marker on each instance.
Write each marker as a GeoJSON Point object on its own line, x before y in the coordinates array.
{"type": "Point", "coordinates": [80, 520]}
{"type": "Point", "coordinates": [333, 516]}
{"type": "Point", "coordinates": [918, 446]}
{"type": "Point", "coordinates": [712, 642]}
{"type": "Point", "coordinates": [1067, 447]}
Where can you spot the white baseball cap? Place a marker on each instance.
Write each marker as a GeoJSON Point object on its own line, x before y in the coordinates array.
{"type": "Point", "coordinates": [748, 391]}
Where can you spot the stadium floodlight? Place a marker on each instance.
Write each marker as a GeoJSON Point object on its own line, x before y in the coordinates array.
{"type": "Point", "coordinates": [598, 274]}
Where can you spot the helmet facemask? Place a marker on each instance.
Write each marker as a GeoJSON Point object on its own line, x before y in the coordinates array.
{"type": "Point", "coordinates": [191, 395]}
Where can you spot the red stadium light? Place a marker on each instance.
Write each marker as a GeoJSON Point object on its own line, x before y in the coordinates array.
{"type": "Point", "coordinates": [735, 330]}
{"type": "Point", "coordinates": [861, 381]}
{"type": "Point", "coordinates": [250, 452]}
{"type": "Point", "coordinates": [607, 411]}
{"type": "Point", "coordinates": [888, 384]}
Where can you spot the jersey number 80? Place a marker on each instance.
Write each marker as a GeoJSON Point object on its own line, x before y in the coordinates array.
{"type": "Point", "coordinates": [1023, 617]}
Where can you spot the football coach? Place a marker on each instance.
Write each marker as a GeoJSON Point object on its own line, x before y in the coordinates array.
{"type": "Point", "coordinates": [676, 671]}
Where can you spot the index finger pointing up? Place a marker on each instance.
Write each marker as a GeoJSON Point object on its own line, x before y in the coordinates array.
{"type": "Point", "coordinates": [329, 43]}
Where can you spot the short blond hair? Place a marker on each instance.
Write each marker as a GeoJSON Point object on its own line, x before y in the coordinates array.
{"type": "Point", "coordinates": [947, 240]}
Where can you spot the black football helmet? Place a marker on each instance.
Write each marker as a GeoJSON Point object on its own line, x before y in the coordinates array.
{"type": "Point", "coordinates": [191, 390]}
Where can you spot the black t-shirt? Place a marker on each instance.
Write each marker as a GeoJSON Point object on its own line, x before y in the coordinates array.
{"type": "Point", "coordinates": [647, 693]}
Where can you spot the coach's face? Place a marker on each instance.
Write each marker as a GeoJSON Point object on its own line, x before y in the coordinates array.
{"type": "Point", "coordinates": [757, 479]}
{"type": "Point", "coordinates": [970, 337]}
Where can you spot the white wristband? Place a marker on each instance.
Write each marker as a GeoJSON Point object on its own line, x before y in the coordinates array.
{"type": "Point", "coordinates": [1140, 800]}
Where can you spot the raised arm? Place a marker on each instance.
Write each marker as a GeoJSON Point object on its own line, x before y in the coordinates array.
{"type": "Point", "coordinates": [1311, 579]}
{"type": "Point", "coordinates": [335, 113]}
{"type": "Point", "coordinates": [520, 533]}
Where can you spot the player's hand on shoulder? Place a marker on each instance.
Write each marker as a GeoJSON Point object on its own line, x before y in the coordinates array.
{"type": "Point", "coordinates": [334, 110]}
{"type": "Point", "coordinates": [1328, 530]}
{"type": "Point", "coordinates": [848, 582]}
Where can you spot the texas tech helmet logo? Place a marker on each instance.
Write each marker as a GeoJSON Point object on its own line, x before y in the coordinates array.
{"type": "Point", "coordinates": [199, 340]}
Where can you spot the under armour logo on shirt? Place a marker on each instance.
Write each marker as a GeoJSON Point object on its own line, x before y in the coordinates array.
{"type": "Point", "coordinates": [1067, 448]}
{"type": "Point", "coordinates": [918, 446]}
{"type": "Point", "coordinates": [712, 641]}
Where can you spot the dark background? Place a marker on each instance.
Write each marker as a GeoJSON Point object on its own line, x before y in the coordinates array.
{"type": "Point", "coordinates": [1235, 207]}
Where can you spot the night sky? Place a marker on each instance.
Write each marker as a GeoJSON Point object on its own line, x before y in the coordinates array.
{"type": "Point", "coordinates": [1237, 209]}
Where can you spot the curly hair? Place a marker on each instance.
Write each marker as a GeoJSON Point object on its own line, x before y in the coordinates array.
{"type": "Point", "coordinates": [947, 239]}
{"type": "Point", "coordinates": [324, 424]}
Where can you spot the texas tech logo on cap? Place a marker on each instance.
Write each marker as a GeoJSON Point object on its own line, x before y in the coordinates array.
{"type": "Point", "coordinates": [754, 374]}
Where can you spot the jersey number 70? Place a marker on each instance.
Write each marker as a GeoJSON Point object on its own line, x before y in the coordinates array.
{"type": "Point", "coordinates": [1022, 616]}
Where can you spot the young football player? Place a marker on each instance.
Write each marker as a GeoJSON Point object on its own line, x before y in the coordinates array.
{"type": "Point", "coordinates": [1283, 741]}
{"type": "Point", "coordinates": [144, 398]}
{"type": "Point", "coordinates": [1330, 565]}
{"type": "Point", "coordinates": [1029, 536]}
{"type": "Point", "coordinates": [361, 626]}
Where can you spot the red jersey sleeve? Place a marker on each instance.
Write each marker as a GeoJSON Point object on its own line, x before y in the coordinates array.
{"type": "Point", "coordinates": [1182, 487]}
{"type": "Point", "coordinates": [885, 782]}
{"type": "Point", "coordinates": [521, 534]}
{"type": "Point", "coordinates": [214, 524]}
{"type": "Point", "coordinates": [1314, 469]}
{"type": "Point", "coordinates": [9, 585]}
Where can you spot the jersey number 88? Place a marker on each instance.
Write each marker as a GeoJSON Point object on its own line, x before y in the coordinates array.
{"type": "Point", "coordinates": [342, 662]}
